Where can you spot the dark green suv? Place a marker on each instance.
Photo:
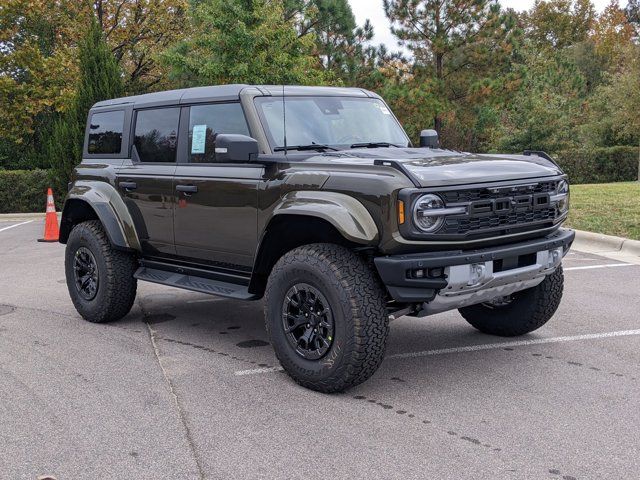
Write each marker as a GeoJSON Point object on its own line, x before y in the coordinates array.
{"type": "Point", "coordinates": [315, 199]}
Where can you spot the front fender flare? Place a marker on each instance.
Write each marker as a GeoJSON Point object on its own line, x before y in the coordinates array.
{"type": "Point", "coordinates": [110, 209]}
{"type": "Point", "coordinates": [352, 220]}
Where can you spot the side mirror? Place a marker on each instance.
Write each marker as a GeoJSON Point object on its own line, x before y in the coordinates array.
{"type": "Point", "coordinates": [235, 148]}
{"type": "Point", "coordinates": [429, 138]}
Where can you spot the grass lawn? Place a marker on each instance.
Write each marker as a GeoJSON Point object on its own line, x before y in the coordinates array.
{"type": "Point", "coordinates": [610, 208]}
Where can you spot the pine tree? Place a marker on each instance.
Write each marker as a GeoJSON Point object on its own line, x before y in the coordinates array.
{"type": "Point", "coordinates": [463, 48]}
{"type": "Point", "coordinates": [100, 78]}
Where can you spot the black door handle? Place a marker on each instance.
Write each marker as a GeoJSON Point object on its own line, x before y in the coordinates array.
{"type": "Point", "coordinates": [128, 185]}
{"type": "Point", "coordinates": [187, 188]}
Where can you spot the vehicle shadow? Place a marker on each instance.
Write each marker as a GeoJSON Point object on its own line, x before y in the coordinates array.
{"type": "Point", "coordinates": [236, 328]}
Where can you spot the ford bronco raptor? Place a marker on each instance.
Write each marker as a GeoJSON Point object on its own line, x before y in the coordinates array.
{"type": "Point", "coordinates": [315, 199]}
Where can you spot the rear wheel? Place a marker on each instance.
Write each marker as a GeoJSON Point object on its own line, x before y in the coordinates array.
{"type": "Point", "coordinates": [326, 317]}
{"type": "Point", "coordinates": [519, 313]}
{"type": "Point", "coordinates": [99, 278]}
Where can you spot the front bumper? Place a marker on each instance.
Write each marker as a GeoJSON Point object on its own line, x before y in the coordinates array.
{"type": "Point", "coordinates": [452, 279]}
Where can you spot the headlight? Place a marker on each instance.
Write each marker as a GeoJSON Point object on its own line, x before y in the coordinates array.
{"type": "Point", "coordinates": [427, 213]}
{"type": "Point", "coordinates": [563, 196]}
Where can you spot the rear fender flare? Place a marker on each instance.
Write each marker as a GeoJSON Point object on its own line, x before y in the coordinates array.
{"type": "Point", "coordinates": [108, 206]}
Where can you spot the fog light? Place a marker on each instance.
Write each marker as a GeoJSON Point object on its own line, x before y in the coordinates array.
{"type": "Point", "coordinates": [476, 273]}
{"type": "Point", "coordinates": [436, 272]}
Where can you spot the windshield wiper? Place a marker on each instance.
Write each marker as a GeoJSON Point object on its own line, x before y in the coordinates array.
{"type": "Point", "coordinates": [312, 146]}
{"type": "Point", "coordinates": [374, 145]}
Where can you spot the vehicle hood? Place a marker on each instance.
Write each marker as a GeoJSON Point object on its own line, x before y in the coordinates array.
{"type": "Point", "coordinates": [435, 167]}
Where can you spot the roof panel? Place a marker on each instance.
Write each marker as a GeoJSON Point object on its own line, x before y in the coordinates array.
{"type": "Point", "coordinates": [223, 93]}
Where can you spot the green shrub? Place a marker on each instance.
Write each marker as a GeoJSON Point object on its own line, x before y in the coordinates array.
{"type": "Point", "coordinates": [600, 165]}
{"type": "Point", "coordinates": [25, 191]}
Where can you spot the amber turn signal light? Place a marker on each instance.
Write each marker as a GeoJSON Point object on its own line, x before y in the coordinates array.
{"type": "Point", "coordinates": [400, 212]}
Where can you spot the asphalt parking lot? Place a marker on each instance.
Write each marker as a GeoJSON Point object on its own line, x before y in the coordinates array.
{"type": "Point", "coordinates": [186, 387]}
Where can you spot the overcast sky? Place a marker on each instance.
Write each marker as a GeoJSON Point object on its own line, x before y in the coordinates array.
{"type": "Point", "coordinates": [372, 9]}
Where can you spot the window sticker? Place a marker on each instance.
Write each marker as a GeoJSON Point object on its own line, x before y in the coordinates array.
{"type": "Point", "coordinates": [198, 138]}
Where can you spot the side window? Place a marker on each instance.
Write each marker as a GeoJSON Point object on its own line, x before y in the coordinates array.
{"type": "Point", "coordinates": [105, 133]}
{"type": "Point", "coordinates": [156, 134]}
{"type": "Point", "coordinates": [206, 121]}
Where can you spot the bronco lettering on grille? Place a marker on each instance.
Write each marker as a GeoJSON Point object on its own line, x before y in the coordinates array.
{"type": "Point", "coordinates": [520, 203]}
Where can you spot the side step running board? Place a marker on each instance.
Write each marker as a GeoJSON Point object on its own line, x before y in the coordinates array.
{"type": "Point", "coordinates": [191, 282]}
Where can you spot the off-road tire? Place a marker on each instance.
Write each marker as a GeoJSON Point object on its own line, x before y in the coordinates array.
{"type": "Point", "coordinates": [116, 285]}
{"type": "Point", "coordinates": [529, 310]}
{"type": "Point", "coordinates": [357, 301]}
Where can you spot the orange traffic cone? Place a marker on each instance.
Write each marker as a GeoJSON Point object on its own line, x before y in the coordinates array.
{"type": "Point", "coordinates": [51, 231]}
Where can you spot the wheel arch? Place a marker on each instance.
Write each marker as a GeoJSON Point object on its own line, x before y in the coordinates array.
{"type": "Point", "coordinates": [99, 201]}
{"type": "Point", "coordinates": [287, 231]}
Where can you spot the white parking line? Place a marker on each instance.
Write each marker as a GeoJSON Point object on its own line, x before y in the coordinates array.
{"type": "Point", "coordinates": [259, 370]}
{"type": "Point", "coordinates": [517, 343]}
{"type": "Point", "coordinates": [15, 225]}
{"type": "Point", "coordinates": [475, 348]}
{"type": "Point", "coordinates": [608, 265]}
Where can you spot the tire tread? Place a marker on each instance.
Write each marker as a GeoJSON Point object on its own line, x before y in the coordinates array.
{"type": "Point", "coordinates": [366, 298]}
{"type": "Point", "coordinates": [120, 283]}
{"type": "Point", "coordinates": [530, 311]}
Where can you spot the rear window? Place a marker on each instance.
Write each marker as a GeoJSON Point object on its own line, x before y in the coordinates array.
{"type": "Point", "coordinates": [105, 132]}
{"type": "Point", "coordinates": [156, 134]}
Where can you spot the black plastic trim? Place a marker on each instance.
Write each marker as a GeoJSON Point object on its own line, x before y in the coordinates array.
{"type": "Point", "coordinates": [211, 274]}
{"type": "Point", "coordinates": [111, 225]}
{"type": "Point", "coordinates": [541, 154]}
{"type": "Point", "coordinates": [400, 167]}
{"type": "Point", "coordinates": [393, 269]}
{"type": "Point", "coordinates": [194, 283]}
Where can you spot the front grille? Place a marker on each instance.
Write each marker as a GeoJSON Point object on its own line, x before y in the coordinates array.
{"type": "Point", "coordinates": [494, 193]}
{"type": "Point", "coordinates": [462, 225]}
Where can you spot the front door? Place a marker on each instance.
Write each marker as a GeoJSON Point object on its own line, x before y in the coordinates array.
{"type": "Point", "coordinates": [146, 181]}
{"type": "Point", "coordinates": [215, 204]}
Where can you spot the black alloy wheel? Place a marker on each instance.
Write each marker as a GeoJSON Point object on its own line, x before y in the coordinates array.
{"type": "Point", "coordinates": [85, 273]}
{"type": "Point", "coordinates": [307, 321]}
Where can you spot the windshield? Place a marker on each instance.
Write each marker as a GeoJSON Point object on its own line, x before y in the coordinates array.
{"type": "Point", "coordinates": [334, 121]}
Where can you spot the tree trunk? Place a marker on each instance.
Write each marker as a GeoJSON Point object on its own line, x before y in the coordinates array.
{"type": "Point", "coordinates": [437, 121]}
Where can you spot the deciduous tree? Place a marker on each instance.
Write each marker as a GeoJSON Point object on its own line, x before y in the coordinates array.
{"type": "Point", "coordinates": [239, 41]}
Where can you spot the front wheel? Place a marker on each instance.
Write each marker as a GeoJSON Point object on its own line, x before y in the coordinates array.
{"type": "Point", "coordinates": [519, 313]}
{"type": "Point", "coordinates": [99, 277]}
{"type": "Point", "coordinates": [326, 317]}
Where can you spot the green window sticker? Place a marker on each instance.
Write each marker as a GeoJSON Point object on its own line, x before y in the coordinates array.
{"type": "Point", "coordinates": [198, 138]}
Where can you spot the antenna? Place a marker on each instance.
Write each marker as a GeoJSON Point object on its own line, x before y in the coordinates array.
{"type": "Point", "coordinates": [284, 120]}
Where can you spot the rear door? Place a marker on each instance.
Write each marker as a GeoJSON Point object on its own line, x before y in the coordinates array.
{"type": "Point", "coordinates": [146, 181]}
{"type": "Point", "coordinates": [216, 204]}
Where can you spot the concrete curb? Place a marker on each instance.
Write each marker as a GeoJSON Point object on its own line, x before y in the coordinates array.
{"type": "Point", "coordinates": [11, 217]}
{"type": "Point", "coordinates": [609, 246]}
{"type": "Point", "coordinates": [20, 217]}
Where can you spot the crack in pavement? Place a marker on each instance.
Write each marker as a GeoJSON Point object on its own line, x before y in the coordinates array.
{"type": "Point", "coordinates": [179, 408]}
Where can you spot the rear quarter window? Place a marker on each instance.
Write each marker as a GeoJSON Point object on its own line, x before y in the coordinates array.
{"type": "Point", "coordinates": [105, 133]}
